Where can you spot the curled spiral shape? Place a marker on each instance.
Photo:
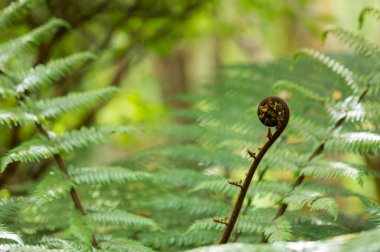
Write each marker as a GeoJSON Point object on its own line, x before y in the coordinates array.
{"type": "Point", "coordinates": [273, 111]}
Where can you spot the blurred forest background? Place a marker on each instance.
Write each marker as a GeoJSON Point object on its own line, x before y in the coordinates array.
{"type": "Point", "coordinates": [157, 51]}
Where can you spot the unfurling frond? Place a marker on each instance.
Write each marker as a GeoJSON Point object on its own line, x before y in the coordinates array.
{"type": "Point", "coordinates": [106, 175]}
{"type": "Point", "coordinates": [53, 108]}
{"type": "Point", "coordinates": [26, 43]}
{"type": "Point", "coordinates": [45, 75]}
{"type": "Point", "coordinates": [358, 142]}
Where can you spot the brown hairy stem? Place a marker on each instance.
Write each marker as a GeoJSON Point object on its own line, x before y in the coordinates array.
{"type": "Point", "coordinates": [272, 111]}
{"type": "Point", "coordinates": [318, 151]}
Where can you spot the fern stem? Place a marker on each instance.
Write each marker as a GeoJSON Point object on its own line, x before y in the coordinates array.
{"type": "Point", "coordinates": [73, 193]}
{"type": "Point", "coordinates": [318, 151]}
{"type": "Point", "coordinates": [272, 111]}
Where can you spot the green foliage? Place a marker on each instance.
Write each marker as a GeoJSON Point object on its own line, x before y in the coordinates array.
{"type": "Point", "coordinates": [122, 207]}
{"type": "Point", "coordinates": [60, 212]}
{"type": "Point", "coordinates": [332, 100]}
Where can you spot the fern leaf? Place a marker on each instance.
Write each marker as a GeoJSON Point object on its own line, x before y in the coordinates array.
{"type": "Point", "coordinates": [13, 12]}
{"type": "Point", "coordinates": [191, 205]}
{"type": "Point", "coordinates": [278, 230]}
{"type": "Point", "coordinates": [10, 236]}
{"type": "Point", "coordinates": [262, 187]}
{"type": "Point", "coordinates": [26, 43]}
{"type": "Point", "coordinates": [349, 108]}
{"type": "Point", "coordinates": [314, 200]}
{"type": "Point", "coordinates": [308, 129]}
{"type": "Point", "coordinates": [357, 42]}
{"type": "Point", "coordinates": [334, 66]}
{"type": "Point", "coordinates": [16, 117]}
{"type": "Point", "coordinates": [368, 11]}
{"type": "Point", "coordinates": [6, 92]}
{"type": "Point", "coordinates": [30, 151]}
{"type": "Point", "coordinates": [291, 86]}
{"type": "Point", "coordinates": [26, 248]}
{"type": "Point", "coordinates": [106, 175]}
{"type": "Point", "coordinates": [183, 177]}
{"type": "Point", "coordinates": [357, 142]}
{"type": "Point", "coordinates": [81, 227]}
{"type": "Point", "coordinates": [53, 186]}
{"type": "Point", "coordinates": [123, 219]}
{"type": "Point", "coordinates": [45, 75]}
{"type": "Point", "coordinates": [122, 244]}
{"type": "Point", "coordinates": [55, 107]}
{"type": "Point", "coordinates": [56, 243]}
{"type": "Point", "coordinates": [178, 238]}
{"type": "Point", "coordinates": [85, 137]}
{"type": "Point", "coordinates": [332, 170]}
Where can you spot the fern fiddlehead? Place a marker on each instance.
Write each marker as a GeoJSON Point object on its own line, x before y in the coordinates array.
{"type": "Point", "coordinates": [272, 112]}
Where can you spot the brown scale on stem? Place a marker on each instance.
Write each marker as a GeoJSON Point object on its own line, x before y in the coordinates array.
{"type": "Point", "coordinates": [272, 112]}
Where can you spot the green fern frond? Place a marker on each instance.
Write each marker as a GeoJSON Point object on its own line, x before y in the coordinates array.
{"type": "Point", "coordinates": [191, 205]}
{"type": "Point", "coordinates": [26, 248]}
{"type": "Point", "coordinates": [180, 239]}
{"type": "Point", "coordinates": [53, 186]}
{"type": "Point", "coordinates": [65, 245]}
{"type": "Point", "coordinates": [45, 75]}
{"type": "Point", "coordinates": [16, 117]}
{"type": "Point", "coordinates": [333, 170]}
{"type": "Point", "coordinates": [55, 107]}
{"type": "Point", "coordinates": [81, 228]}
{"type": "Point", "coordinates": [122, 244]}
{"type": "Point", "coordinates": [314, 200]}
{"type": "Point", "coordinates": [180, 177]}
{"type": "Point", "coordinates": [357, 42]}
{"type": "Point", "coordinates": [349, 108]}
{"type": "Point", "coordinates": [374, 212]}
{"type": "Point", "coordinates": [10, 206]}
{"type": "Point", "coordinates": [302, 90]}
{"type": "Point", "coordinates": [6, 92]}
{"type": "Point", "coordinates": [10, 236]}
{"type": "Point", "coordinates": [22, 45]}
{"type": "Point", "coordinates": [357, 142]}
{"type": "Point", "coordinates": [331, 64]}
{"type": "Point", "coordinates": [308, 129]}
{"type": "Point", "coordinates": [106, 175]}
{"type": "Point", "coordinates": [262, 187]}
{"type": "Point", "coordinates": [123, 219]}
{"type": "Point", "coordinates": [203, 156]}
{"type": "Point", "coordinates": [368, 11]}
{"type": "Point", "coordinates": [85, 137]}
{"type": "Point", "coordinates": [278, 230]}
{"type": "Point", "coordinates": [13, 12]}
{"type": "Point", "coordinates": [31, 151]}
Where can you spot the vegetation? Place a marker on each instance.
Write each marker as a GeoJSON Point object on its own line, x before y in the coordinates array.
{"type": "Point", "coordinates": [190, 185]}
